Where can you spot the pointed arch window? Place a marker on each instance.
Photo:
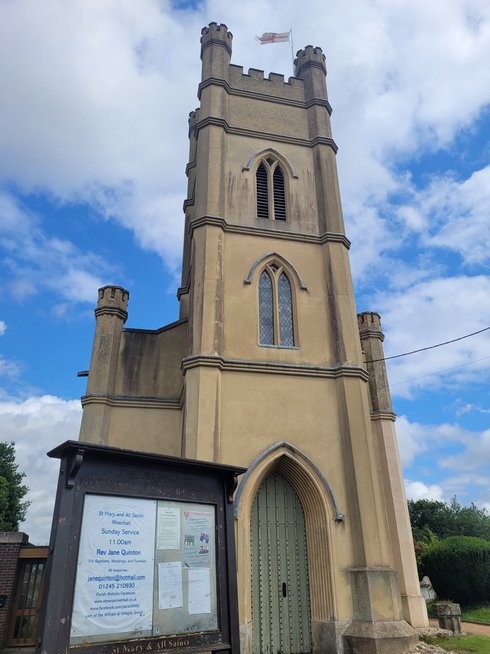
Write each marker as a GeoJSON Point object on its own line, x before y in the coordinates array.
{"type": "Point", "coordinates": [271, 190]}
{"type": "Point", "coordinates": [276, 325]}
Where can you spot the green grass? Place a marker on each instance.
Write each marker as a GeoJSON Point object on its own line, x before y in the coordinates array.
{"type": "Point", "coordinates": [478, 613]}
{"type": "Point", "coordinates": [463, 644]}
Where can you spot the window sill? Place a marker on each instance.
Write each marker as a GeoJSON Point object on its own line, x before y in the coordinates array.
{"type": "Point", "coordinates": [279, 347]}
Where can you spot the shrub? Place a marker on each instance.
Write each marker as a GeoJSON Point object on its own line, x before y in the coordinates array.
{"type": "Point", "coordinates": [459, 568]}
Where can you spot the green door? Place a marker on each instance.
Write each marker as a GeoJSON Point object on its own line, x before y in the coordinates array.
{"type": "Point", "coordinates": [280, 591]}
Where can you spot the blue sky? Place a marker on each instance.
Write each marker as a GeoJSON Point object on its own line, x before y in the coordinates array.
{"type": "Point", "coordinates": [93, 147]}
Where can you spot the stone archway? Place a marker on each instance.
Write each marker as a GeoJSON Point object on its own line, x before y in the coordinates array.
{"type": "Point", "coordinates": [320, 515]}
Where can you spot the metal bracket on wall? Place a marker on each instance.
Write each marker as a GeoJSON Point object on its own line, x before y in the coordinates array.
{"type": "Point", "coordinates": [74, 467]}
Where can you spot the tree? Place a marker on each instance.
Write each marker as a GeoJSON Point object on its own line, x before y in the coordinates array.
{"type": "Point", "coordinates": [13, 508]}
{"type": "Point", "coordinates": [445, 520]}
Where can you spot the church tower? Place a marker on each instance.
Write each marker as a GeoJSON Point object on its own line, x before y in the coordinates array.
{"type": "Point", "coordinates": [270, 368]}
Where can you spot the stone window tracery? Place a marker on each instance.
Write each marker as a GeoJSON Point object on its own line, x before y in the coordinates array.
{"type": "Point", "coordinates": [276, 324]}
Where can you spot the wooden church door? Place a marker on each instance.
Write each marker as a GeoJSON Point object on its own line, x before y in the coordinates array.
{"type": "Point", "coordinates": [280, 590]}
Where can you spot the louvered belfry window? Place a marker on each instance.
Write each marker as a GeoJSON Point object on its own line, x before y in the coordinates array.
{"type": "Point", "coordinates": [262, 192]}
{"type": "Point", "coordinates": [276, 325]}
{"type": "Point", "coordinates": [271, 190]}
{"type": "Point", "coordinates": [279, 195]}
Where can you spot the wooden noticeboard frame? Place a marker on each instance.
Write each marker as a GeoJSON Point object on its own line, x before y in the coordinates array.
{"type": "Point", "coordinates": [142, 555]}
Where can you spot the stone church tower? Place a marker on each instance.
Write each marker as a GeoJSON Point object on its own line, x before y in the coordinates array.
{"type": "Point", "coordinates": [269, 367]}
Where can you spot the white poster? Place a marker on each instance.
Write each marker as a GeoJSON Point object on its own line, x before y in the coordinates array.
{"type": "Point", "coordinates": [199, 592]}
{"type": "Point", "coordinates": [170, 585]}
{"type": "Point", "coordinates": [114, 584]}
{"type": "Point", "coordinates": [168, 534]}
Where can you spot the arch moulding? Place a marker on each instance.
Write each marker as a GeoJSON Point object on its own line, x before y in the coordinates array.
{"type": "Point", "coordinates": [255, 159]}
{"type": "Point", "coordinates": [271, 257]}
{"type": "Point", "coordinates": [321, 513]}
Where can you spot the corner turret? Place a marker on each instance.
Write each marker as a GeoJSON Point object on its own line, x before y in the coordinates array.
{"type": "Point", "coordinates": [413, 604]}
{"type": "Point", "coordinates": [112, 301]}
{"type": "Point", "coordinates": [372, 345]}
{"type": "Point", "coordinates": [216, 46]}
{"type": "Point", "coordinates": [110, 315]}
{"type": "Point", "coordinates": [193, 119]}
{"type": "Point", "coordinates": [309, 66]}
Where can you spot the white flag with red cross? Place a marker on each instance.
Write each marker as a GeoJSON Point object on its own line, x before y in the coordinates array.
{"type": "Point", "coordinates": [273, 37]}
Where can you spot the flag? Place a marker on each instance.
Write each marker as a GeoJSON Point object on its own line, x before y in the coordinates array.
{"type": "Point", "coordinates": [273, 37]}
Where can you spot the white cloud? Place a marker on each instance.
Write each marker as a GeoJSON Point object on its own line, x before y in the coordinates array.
{"type": "Point", "coordinates": [95, 98]}
{"type": "Point", "coordinates": [99, 115]}
{"type": "Point", "coordinates": [468, 407]}
{"type": "Point", "coordinates": [458, 485]}
{"type": "Point", "coordinates": [417, 490]}
{"type": "Point", "coordinates": [3, 327]}
{"type": "Point", "coordinates": [415, 438]}
{"type": "Point", "coordinates": [463, 473]}
{"type": "Point", "coordinates": [9, 369]}
{"type": "Point", "coordinates": [433, 312]}
{"type": "Point", "coordinates": [35, 261]}
{"type": "Point", "coordinates": [412, 439]}
{"type": "Point", "coordinates": [36, 425]}
{"type": "Point", "coordinates": [475, 456]}
{"type": "Point", "coordinates": [453, 214]}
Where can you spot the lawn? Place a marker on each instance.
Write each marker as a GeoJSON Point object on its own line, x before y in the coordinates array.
{"type": "Point", "coordinates": [463, 644]}
{"type": "Point", "coordinates": [478, 613]}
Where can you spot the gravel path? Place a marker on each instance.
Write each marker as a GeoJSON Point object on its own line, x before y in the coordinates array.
{"type": "Point", "coordinates": [469, 627]}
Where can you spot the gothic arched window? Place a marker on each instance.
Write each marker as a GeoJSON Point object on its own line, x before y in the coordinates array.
{"type": "Point", "coordinates": [271, 190]}
{"type": "Point", "coordinates": [276, 326]}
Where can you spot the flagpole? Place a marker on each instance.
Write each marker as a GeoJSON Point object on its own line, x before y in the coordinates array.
{"type": "Point", "coordinates": [278, 37]}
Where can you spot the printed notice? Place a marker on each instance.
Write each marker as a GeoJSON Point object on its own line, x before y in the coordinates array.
{"type": "Point", "coordinates": [198, 532]}
{"type": "Point", "coordinates": [168, 534]}
{"type": "Point", "coordinates": [199, 593]}
{"type": "Point", "coordinates": [114, 584]}
{"type": "Point", "coordinates": [170, 585]}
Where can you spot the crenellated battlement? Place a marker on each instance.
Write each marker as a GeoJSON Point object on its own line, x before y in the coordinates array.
{"type": "Point", "coordinates": [307, 84]}
{"type": "Point", "coordinates": [369, 320]}
{"type": "Point", "coordinates": [214, 28]}
{"type": "Point", "coordinates": [112, 300]}
{"type": "Point", "coordinates": [255, 81]}
{"type": "Point", "coordinates": [369, 323]}
{"type": "Point", "coordinates": [309, 56]}
{"type": "Point", "coordinates": [256, 73]}
{"type": "Point", "coordinates": [215, 34]}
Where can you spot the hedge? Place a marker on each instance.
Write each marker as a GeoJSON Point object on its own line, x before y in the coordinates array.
{"type": "Point", "coordinates": [459, 568]}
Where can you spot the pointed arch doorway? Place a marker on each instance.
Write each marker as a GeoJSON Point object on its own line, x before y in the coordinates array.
{"type": "Point", "coordinates": [280, 586]}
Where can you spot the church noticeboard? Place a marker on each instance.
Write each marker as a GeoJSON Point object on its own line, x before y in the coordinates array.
{"type": "Point", "coordinates": [141, 551]}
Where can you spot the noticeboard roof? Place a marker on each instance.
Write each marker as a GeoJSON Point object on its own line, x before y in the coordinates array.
{"type": "Point", "coordinates": [94, 451]}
